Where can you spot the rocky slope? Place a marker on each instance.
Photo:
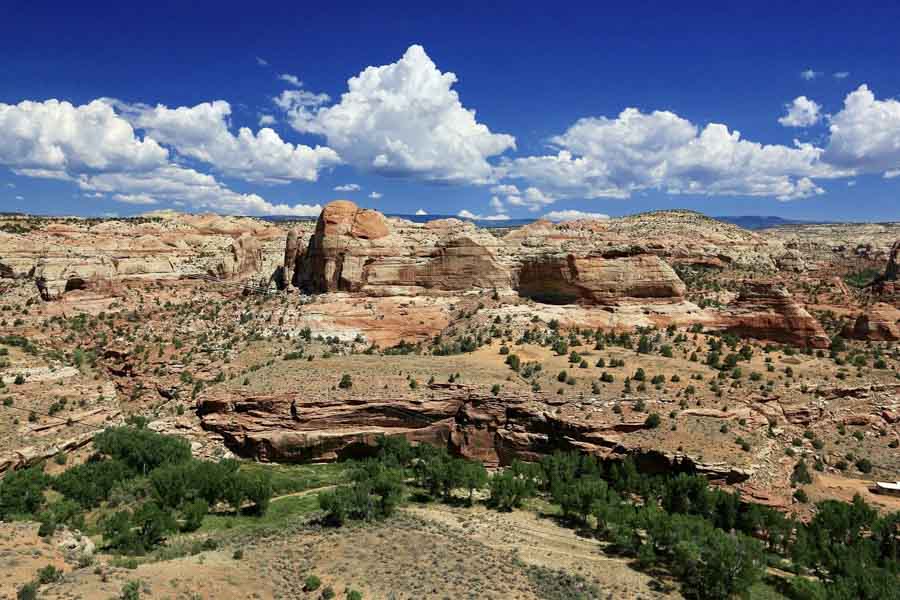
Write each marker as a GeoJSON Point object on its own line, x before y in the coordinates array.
{"type": "Point", "coordinates": [72, 254]}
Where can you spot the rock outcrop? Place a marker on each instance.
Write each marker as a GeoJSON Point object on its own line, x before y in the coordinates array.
{"type": "Point", "coordinates": [75, 254]}
{"type": "Point", "coordinates": [291, 249]}
{"type": "Point", "coordinates": [766, 310]}
{"type": "Point", "coordinates": [887, 287]}
{"type": "Point", "coordinates": [244, 258]}
{"type": "Point", "coordinates": [471, 423]}
{"type": "Point", "coordinates": [880, 322]}
{"type": "Point", "coordinates": [597, 280]}
{"type": "Point", "coordinates": [621, 266]}
{"type": "Point", "coordinates": [892, 270]}
{"type": "Point", "coordinates": [358, 250]}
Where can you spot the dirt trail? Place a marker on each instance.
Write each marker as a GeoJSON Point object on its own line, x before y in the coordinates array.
{"type": "Point", "coordinates": [314, 490]}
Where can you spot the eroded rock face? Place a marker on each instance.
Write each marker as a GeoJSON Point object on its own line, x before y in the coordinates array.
{"type": "Point", "coordinates": [880, 322]}
{"type": "Point", "coordinates": [244, 258]}
{"type": "Point", "coordinates": [887, 287]}
{"type": "Point", "coordinates": [892, 270]}
{"type": "Point", "coordinates": [621, 266]}
{"type": "Point", "coordinates": [360, 250]}
{"type": "Point", "coordinates": [68, 255]}
{"type": "Point", "coordinates": [291, 249]}
{"type": "Point", "coordinates": [598, 280]}
{"type": "Point", "coordinates": [766, 310]}
{"type": "Point", "coordinates": [470, 423]}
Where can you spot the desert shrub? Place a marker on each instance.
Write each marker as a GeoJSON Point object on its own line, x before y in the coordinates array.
{"type": "Point", "coordinates": [131, 591]}
{"type": "Point", "coordinates": [864, 465]}
{"type": "Point", "coordinates": [800, 474]}
{"type": "Point", "coordinates": [48, 574]}
{"type": "Point", "coordinates": [312, 583]}
{"type": "Point", "coordinates": [193, 514]}
{"type": "Point", "coordinates": [27, 592]}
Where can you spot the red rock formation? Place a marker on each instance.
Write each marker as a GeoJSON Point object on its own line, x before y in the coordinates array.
{"type": "Point", "coordinates": [291, 248]}
{"type": "Point", "coordinates": [470, 423]}
{"type": "Point", "coordinates": [880, 322]}
{"type": "Point", "coordinates": [598, 280]}
{"type": "Point", "coordinates": [766, 310]}
{"type": "Point", "coordinates": [887, 287]}
{"type": "Point", "coordinates": [64, 256]}
{"type": "Point", "coordinates": [244, 258]}
{"type": "Point", "coordinates": [892, 271]}
{"type": "Point", "coordinates": [358, 250]}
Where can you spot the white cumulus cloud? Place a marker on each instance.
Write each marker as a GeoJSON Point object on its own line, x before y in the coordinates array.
{"type": "Point", "coordinates": [135, 198]}
{"type": "Point", "coordinates": [375, 195]}
{"type": "Point", "coordinates": [58, 136]}
{"type": "Point", "coordinates": [176, 184]}
{"type": "Point", "coordinates": [403, 119]}
{"type": "Point", "coordinates": [865, 134]}
{"type": "Point", "coordinates": [573, 215]}
{"type": "Point", "coordinates": [98, 150]}
{"type": "Point", "coordinates": [465, 214]}
{"type": "Point", "coordinates": [801, 112]}
{"type": "Point", "coordinates": [202, 132]}
{"type": "Point", "coordinates": [841, 74]}
{"type": "Point", "coordinates": [531, 197]}
{"type": "Point", "coordinates": [348, 187]}
{"type": "Point", "coordinates": [421, 213]}
{"type": "Point", "coordinates": [604, 157]}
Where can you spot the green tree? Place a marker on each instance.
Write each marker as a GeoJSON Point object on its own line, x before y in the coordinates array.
{"type": "Point", "coordinates": [22, 491]}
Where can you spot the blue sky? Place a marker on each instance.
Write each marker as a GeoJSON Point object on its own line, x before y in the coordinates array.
{"type": "Point", "coordinates": [152, 99]}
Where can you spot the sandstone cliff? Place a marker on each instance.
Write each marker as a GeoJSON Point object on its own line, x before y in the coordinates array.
{"type": "Point", "coordinates": [72, 254]}
{"type": "Point", "coordinates": [621, 267]}
{"type": "Point", "coordinates": [360, 250]}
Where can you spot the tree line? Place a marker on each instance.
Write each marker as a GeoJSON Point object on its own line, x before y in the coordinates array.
{"type": "Point", "coordinates": [716, 544]}
{"type": "Point", "coordinates": [159, 486]}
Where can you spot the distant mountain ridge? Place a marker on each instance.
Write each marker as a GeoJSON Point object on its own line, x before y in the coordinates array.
{"type": "Point", "coordinates": [752, 222]}
{"type": "Point", "coordinates": [746, 221]}
{"type": "Point", "coordinates": [763, 222]}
